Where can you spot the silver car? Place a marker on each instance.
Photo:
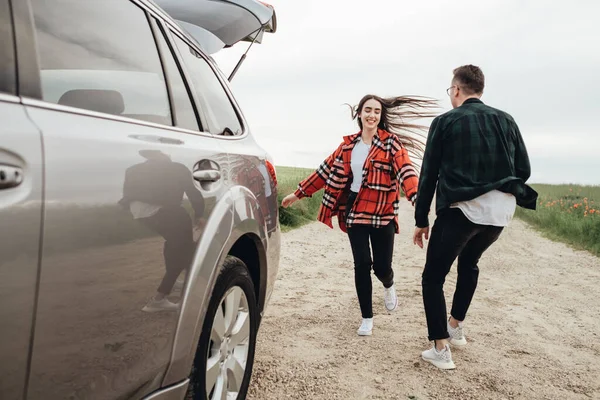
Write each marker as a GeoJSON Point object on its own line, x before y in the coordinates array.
{"type": "Point", "coordinates": [139, 235]}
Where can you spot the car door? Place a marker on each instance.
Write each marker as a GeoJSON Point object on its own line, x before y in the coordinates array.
{"type": "Point", "coordinates": [123, 213]}
{"type": "Point", "coordinates": [21, 183]}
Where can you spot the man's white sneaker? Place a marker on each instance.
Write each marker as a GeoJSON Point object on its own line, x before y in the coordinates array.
{"type": "Point", "coordinates": [160, 305]}
{"type": "Point", "coordinates": [457, 335]}
{"type": "Point", "coordinates": [178, 285]}
{"type": "Point", "coordinates": [441, 359]}
{"type": "Point", "coordinates": [366, 328]}
{"type": "Point", "coordinates": [390, 298]}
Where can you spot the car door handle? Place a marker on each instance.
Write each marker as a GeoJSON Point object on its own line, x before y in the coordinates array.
{"type": "Point", "coordinates": [207, 175]}
{"type": "Point", "coordinates": [10, 176]}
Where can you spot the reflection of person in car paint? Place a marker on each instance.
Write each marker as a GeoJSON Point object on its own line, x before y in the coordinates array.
{"type": "Point", "coordinates": [253, 174]}
{"type": "Point", "coordinates": [153, 192]}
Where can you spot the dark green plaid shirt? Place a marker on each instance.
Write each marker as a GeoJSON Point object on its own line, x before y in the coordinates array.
{"type": "Point", "coordinates": [470, 151]}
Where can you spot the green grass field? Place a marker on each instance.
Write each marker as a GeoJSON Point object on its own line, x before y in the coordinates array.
{"type": "Point", "coordinates": [568, 213]}
{"type": "Point", "coordinates": [303, 211]}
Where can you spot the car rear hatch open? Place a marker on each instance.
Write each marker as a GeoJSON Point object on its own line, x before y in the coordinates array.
{"type": "Point", "coordinates": [216, 24]}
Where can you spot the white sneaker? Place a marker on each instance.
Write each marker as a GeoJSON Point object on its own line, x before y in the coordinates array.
{"type": "Point", "coordinates": [390, 298]}
{"type": "Point", "coordinates": [441, 359]}
{"type": "Point", "coordinates": [366, 328]}
{"type": "Point", "coordinates": [178, 285]}
{"type": "Point", "coordinates": [457, 336]}
{"type": "Point", "coordinates": [160, 305]}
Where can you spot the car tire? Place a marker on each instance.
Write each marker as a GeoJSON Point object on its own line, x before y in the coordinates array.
{"type": "Point", "coordinates": [232, 315]}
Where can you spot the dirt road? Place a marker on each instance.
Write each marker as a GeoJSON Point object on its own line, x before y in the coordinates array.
{"type": "Point", "coordinates": [533, 328]}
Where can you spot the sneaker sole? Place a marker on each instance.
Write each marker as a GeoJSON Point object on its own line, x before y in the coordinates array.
{"type": "Point", "coordinates": [443, 366]}
{"type": "Point", "coordinates": [369, 333]}
{"type": "Point", "coordinates": [458, 342]}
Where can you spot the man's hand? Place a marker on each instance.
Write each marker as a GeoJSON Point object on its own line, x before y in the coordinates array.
{"type": "Point", "coordinates": [418, 237]}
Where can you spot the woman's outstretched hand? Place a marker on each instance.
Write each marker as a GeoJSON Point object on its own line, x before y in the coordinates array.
{"type": "Point", "coordinates": [289, 200]}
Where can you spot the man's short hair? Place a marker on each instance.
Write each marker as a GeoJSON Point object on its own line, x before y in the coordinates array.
{"type": "Point", "coordinates": [470, 79]}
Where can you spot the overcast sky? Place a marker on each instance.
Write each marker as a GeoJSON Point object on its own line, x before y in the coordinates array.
{"type": "Point", "coordinates": [541, 61]}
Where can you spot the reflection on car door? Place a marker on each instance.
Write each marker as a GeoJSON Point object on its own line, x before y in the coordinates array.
{"type": "Point", "coordinates": [21, 183]}
{"type": "Point", "coordinates": [20, 222]}
{"type": "Point", "coordinates": [123, 212]}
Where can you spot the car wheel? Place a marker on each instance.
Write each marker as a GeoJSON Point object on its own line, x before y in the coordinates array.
{"type": "Point", "coordinates": [225, 354]}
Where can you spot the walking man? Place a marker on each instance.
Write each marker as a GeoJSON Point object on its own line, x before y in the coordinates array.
{"type": "Point", "coordinates": [476, 156]}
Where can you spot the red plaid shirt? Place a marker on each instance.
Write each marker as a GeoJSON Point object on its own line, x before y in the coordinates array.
{"type": "Point", "coordinates": [377, 201]}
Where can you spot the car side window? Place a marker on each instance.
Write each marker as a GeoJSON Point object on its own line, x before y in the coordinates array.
{"type": "Point", "coordinates": [221, 118]}
{"type": "Point", "coordinates": [100, 56]}
{"type": "Point", "coordinates": [7, 51]}
{"type": "Point", "coordinates": [185, 114]}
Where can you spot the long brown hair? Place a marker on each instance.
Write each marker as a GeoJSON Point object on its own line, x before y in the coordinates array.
{"type": "Point", "coordinates": [397, 116]}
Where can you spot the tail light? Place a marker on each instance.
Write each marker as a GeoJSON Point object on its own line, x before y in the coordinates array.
{"type": "Point", "coordinates": [272, 172]}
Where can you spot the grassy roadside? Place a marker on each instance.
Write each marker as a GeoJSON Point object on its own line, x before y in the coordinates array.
{"type": "Point", "coordinates": [305, 210]}
{"type": "Point", "coordinates": [567, 213]}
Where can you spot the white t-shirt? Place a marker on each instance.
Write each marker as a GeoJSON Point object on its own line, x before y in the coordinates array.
{"type": "Point", "coordinates": [357, 162]}
{"type": "Point", "coordinates": [142, 210]}
{"type": "Point", "coordinates": [494, 208]}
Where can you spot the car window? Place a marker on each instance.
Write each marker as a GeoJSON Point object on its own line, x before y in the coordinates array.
{"type": "Point", "coordinates": [100, 56]}
{"type": "Point", "coordinates": [221, 117]}
{"type": "Point", "coordinates": [7, 54]}
{"type": "Point", "coordinates": [185, 115]}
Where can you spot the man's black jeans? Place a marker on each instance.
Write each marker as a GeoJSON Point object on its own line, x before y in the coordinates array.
{"type": "Point", "coordinates": [453, 235]}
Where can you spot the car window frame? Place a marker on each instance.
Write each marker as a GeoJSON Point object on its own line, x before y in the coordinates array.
{"type": "Point", "coordinates": [29, 83]}
{"type": "Point", "coordinates": [29, 87]}
{"type": "Point", "coordinates": [158, 29]}
{"type": "Point", "coordinates": [8, 55]}
{"type": "Point", "coordinates": [160, 69]}
{"type": "Point", "coordinates": [185, 75]}
{"type": "Point", "coordinates": [175, 32]}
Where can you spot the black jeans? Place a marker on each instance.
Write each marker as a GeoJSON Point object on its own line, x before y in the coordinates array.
{"type": "Point", "coordinates": [174, 224]}
{"type": "Point", "coordinates": [382, 241]}
{"type": "Point", "coordinates": [453, 235]}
